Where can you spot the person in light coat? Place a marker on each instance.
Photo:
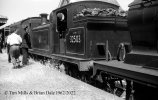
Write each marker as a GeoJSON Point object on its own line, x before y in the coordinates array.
{"type": "Point", "coordinates": [14, 41]}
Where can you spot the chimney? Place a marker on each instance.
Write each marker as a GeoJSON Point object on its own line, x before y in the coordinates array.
{"type": "Point", "coordinates": [43, 18]}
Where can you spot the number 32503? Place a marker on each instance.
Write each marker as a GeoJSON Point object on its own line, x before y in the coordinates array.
{"type": "Point", "coordinates": [75, 39]}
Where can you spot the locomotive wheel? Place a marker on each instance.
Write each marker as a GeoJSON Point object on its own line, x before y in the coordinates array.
{"type": "Point", "coordinates": [70, 72]}
{"type": "Point", "coordinates": [85, 77]}
{"type": "Point", "coordinates": [68, 69]}
{"type": "Point", "coordinates": [73, 73]}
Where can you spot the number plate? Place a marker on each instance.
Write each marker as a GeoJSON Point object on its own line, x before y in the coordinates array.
{"type": "Point", "coordinates": [75, 41]}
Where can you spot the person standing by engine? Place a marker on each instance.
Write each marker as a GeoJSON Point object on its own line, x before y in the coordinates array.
{"type": "Point", "coordinates": [26, 44]}
{"type": "Point", "coordinates": [14, 41]}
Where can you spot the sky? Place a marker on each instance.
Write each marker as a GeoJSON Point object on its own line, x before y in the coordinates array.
{"type": "Point", "coordinates": [16, 10]}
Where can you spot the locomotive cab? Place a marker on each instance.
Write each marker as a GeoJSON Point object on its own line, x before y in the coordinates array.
{"type": "Point", "coordinates": [89, 30]}
{"type": "Point", "coordinates": [84, 29]}
{"type": "Point", "coordinates": [62, 28]}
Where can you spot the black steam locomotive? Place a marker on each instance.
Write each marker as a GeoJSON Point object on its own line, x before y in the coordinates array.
{"type": "Point", "coordinates": [99, 44]}
{"type": "Point", "coordinates": [139, 68]}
